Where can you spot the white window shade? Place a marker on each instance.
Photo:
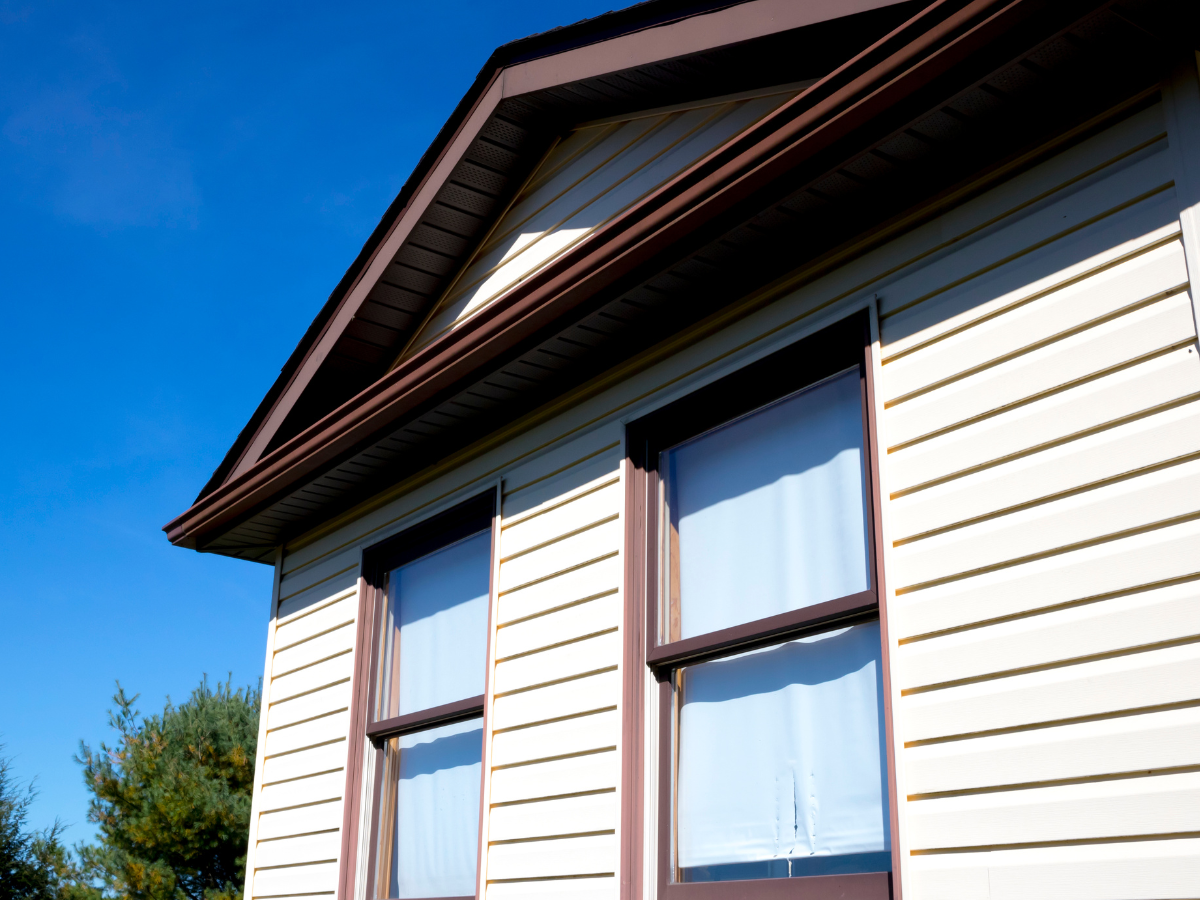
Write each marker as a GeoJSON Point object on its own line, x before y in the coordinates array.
{"type": "Point", "coordinates": [437, 629]}
{"type": "Point", "coordinates": [436, 828]}
{"type": "Point", "coordinates": [781, 753]}
{"type": "Point", "coordinates": [770, 509]}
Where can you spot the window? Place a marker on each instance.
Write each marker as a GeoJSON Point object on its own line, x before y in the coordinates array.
{"type": "Point", "coordinates": [429, 665]}
{"type": "Point", "coordinates": [761, 574]}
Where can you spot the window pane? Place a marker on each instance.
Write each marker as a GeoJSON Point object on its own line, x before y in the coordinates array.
{"type": "Point", "coordinates": [430, 835]}
{"type": "Point", "coordinates": [436, 628]}
{"type": "Point", "coordinates": [781, 761]}
{"type": "Point", "coordinates": [767, 514]}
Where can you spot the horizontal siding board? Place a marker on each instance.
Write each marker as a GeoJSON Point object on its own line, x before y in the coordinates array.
{"type": "Point", "coordinates": [1059, 214]}
{"type": "Point", "coordinates": [1091, 405]}
{"type": "Point", "coordinates": [314, 677]}
{"type": "Point", "coordinates": [305, 820]}
{"type": "Point", "coordinates": [1151, 617]}
{"type": "Point", "coordinates": [573, 622]}
{"type": "Point", "coordinates": [308, 734]}
{"type": "Point", "coordinates": [298, 577]}
{"type": "Point", "coordinates": [1049, 180]}
{"type": "Point", "coordinates": [1112, 453]}
{"type": "Point", "coordinates": [309, 879]}
{"type": "Point", "coordinates": [582, 695]}
{"type": "Point", "coordinates": [1138, 743]}
{"type": "Point", "coordinates": [557, 465]}
{"type": "Point", "coordinates": [569, 552]}
{"type": "Point", "coordinates": [1106, 292]}
{"type": "Point", "coordinates": [1146, 870]}
{"type": "Point", "coordinates": [567, 661]}
{"type": "Point", "coordinates": [340, 612]}
{"type": "Point", "coordinates": [1064, 259]}
{"type": "Point", "coordinates": [291, 851]}
{"type": "Point", "coordinates": [308, 706]}
{"type": "Point", "coordinates": [551, 818]}
{"type": "Point", "coordinates": [315, 649]}
{"type": "Point", "coordinates": [302, 791]}
{"type": "Point", "coordinates": [560, 464]}
{"type": "Point", "coordinates": [561, 519]}
{"type": "Point", "coordinates": [598, 577]}
{"type": "Point", "coordinates": [324, 758]}
{"type": "Point", "coordinates": [1113, 343]}
{"type": "Point", "coordinates": [595, 771]}
{"type": "Point", "coordinates": [1165, 804]}
{"type": "Point", "coordinates": [1103, 687]}
{"type": "Point", "coordinates": [593, 855]}
{"type": "Point", "coordinates": [1120, 565]}
{"type": "Point", "coordinates": [317, 596]}
{"type": "Point", "coordinates": [1135, 503]}
{"type": "Point", "coordinates": [580, 477]}
{"type": "Point", "coordinates": [578, 735]}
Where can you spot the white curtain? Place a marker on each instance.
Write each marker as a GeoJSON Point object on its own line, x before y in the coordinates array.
{"type": "Point", "coordinates": [437, 812]}
{"type": "Point", "coordinates": [441, 604]}
{"type": "Point", "coordinates": [781, 752]}
{"type": "Point", "coordinates": [770, 509]}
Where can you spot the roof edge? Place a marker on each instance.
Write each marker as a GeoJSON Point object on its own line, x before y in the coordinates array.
{"type": "Point", "coordinates": [748, 162]}
{"type": "Point", "coordinates": [641, 16]}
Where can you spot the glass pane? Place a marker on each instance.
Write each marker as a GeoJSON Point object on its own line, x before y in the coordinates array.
{"type": "Point", "coordinates": [429, 834]}
{"type": "Point", "coordinates": [782, 766]}
{"type": "Point", "coordinates": [436, 630]}
{"type": "Point", "coordinates": [767, 514]}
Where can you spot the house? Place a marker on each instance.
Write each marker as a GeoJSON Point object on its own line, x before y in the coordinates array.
{"type": "Point", "coordinates": [757, 455]}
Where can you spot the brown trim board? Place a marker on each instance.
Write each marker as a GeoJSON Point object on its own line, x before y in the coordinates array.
{"type": "Point", "coordinates": [946, 45]}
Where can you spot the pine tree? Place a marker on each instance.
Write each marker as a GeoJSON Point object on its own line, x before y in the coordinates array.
{"type": "Point", "coordinates": [28, 859]}
{"type": "Point", "coordinates": [172, 799]}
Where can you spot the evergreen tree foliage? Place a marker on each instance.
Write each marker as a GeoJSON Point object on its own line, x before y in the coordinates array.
{"type": "Point", "coordinates": [28, 859]}
{"type": "Point", "coordinates": [171, 799]}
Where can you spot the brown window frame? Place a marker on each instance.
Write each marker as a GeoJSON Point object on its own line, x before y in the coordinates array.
{"type": "Point", "coordinates": [834, 349]}
{"type": "Point", "coordinates": [468, 518]}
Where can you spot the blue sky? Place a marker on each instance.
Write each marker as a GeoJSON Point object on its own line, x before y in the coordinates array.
{"type": "Point", "coordinates": [181, 186]}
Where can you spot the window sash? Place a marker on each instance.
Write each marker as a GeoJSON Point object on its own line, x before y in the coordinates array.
{"type": "Point", "coordinates": [824, 354]}
{"type": "Point", "coordinates": [388, 789]}
{"type": "Point", "coordinates": [407, 672]}
{"type": "Point", "coordinates": [810, 361]}
{"type": "Point", "coordinates": [423, 539]}
{"type": "Point", "coordinates": [858, 886]}
{"type": "Point", "coordinates": [756, 465]}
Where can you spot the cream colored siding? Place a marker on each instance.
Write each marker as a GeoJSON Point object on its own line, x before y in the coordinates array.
{"type": "Point", "coordinates": [1041, 389]}
{"type": "Point", "coordinates": [590, 176]}
{"type": "Point", "coordinates": [555, 729]}
{"type": "Point", "coordinates": [296, 834]}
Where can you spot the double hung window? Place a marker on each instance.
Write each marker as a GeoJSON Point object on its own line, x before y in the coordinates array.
{"type": "Point", "coordinates": [430, 658]}
{"type": "Point", "coordinates": [763, 629]}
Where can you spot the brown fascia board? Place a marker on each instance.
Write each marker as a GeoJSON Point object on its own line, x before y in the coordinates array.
{"type": "Point", "coordinates": [641, 34]}
{"type": "Point", "coordinates": [945, 35]}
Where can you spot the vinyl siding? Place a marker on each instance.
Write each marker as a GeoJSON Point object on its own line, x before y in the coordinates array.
{"type": "Point", "coordinates": [590, 176]}
{"type": "Point", "coordinates": [1038, 392]}
{"type": "Point", "coordinates": [553, 804]}
{"type": "Point", "coordinates": [1043, 457]}
{"type": "Point", "coordinates": [297, 808]}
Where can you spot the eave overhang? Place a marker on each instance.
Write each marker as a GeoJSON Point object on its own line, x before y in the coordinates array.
{"type": "Point", "coordinates": [946, 48]}
{"type": "Point", "coordinates": [642, 56]}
